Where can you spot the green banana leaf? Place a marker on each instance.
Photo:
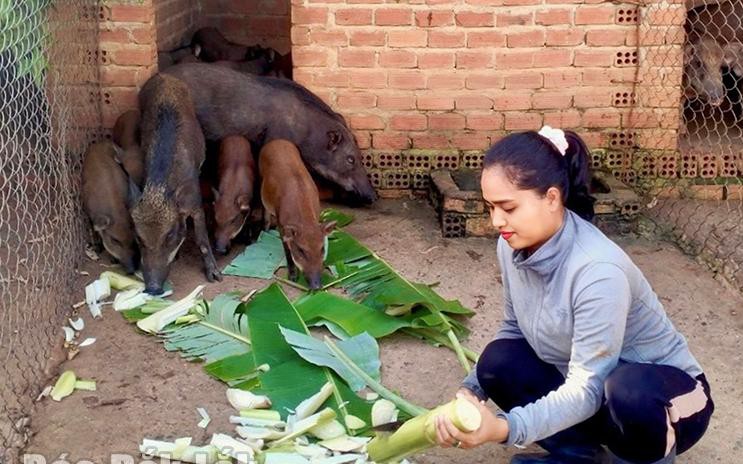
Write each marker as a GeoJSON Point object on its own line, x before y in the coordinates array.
{"type": "Point", "coordinates": [261, 259]}
{"type": "Point", "coordinates": [341, 219]}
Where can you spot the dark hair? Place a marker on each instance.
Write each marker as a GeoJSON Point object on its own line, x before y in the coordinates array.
{"type": "Point", "coordinates": [532, 162]}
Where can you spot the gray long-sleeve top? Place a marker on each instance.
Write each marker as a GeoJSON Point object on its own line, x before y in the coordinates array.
{"type": "Point", "coordinates": [583, 306]}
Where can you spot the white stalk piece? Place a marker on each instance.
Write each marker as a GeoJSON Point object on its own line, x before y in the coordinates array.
{"type": "Point", "coordinates": [303, 426]}
{"type": "Point", "coordinates": [328, 431]}
{"type": "Point", "coordinates": [383, 412]}
{"type": "Point", "coordinates": [309, 406]}
{"type": "Point", "coordinates": [154, 323]}
{"type": "Point", "coordinates": [242, 399]}
{"type": "Point", "coordinates": [253, 422]}
{"type": "Point", "coordinates": [78, 324]}
{"type": "Point", "coordinates": [94, 293]}
{"type": "Point", "coordinates": [354, 423]}
{"type": "Point", "coordinates": [64, 387]}
{"type": "Point", "coordinates": [205, 419]}
{"type": "Point", "coordinates": [177, 451]}
{"type": "Point", "coordinates": [345, 444]}
{"type": "Point", "coordinates": [228, 446]}
{"type": "Point", "coordinates": [121, 282]}
{"type": "Point", "coordinates": [87, 342]}
{"type": "Point", "coordinates": [69, 334]}
{"type": "Point", "coordinates": [259, 433]}
{"type": "Point", "coordinates": [284, 458]}
{"type": "Point", "coordinates": [342, 458]}
{"type": "Point", "coordinates": [130, 299]}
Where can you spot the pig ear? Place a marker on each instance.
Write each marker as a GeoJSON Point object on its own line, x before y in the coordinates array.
{"type": "Point", "coordinates": [243, 202]}
{"type": "Point", "coordinates": [328, 227]}
{"type": "Point", "coordinates": [334, 139]}
{"type": "Point", "coordinates": [289, 233]}
{"type": "Point", "coordinates": [101, 222]}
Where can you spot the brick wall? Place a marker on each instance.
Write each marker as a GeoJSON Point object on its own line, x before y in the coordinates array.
{"type": "Point", "coordinates": [249, 22]}
{"type": "Point", "coordinates": [432, 83]}
{"type": "Point", "coordinates": [176, 22]}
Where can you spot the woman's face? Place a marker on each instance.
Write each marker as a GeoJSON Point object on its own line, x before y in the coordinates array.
{"type": "Point", "coordinates": [524, 218]}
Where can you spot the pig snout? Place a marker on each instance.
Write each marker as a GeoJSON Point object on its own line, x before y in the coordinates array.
{"type": "Point", "coordinates": [222, 246]}
{"type": "Point", "coordinates": [363, 188]}
{"type": "Point", "coordinates": [154, 280]}
{"type": "Point", "coordinates": [130, 264]}
{"type": "Point", "coordinates": [314, 279]}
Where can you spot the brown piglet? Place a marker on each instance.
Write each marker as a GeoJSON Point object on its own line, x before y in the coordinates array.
{"type": "Point", "coordinates": [290, 200]}
{"type": "Point", "coordinates": [126, 135]}
{"type": "Point", "coordinates": [236, 174]}
{"type": "Point", "coordinates": [107, 194]}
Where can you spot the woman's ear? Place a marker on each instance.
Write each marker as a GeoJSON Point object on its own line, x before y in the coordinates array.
{"type": "Point", "coordinates": [554, 198]}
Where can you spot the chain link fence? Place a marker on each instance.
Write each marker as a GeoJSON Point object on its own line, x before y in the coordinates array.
{"type": "Point", "coordinates": [49, 112]}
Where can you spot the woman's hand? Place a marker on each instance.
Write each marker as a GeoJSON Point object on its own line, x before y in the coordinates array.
{"type": "Point", "coordinates": [492, 428]}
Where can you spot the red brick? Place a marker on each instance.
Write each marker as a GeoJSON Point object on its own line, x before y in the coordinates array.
{"type": "Point", "coordinates": [121, 97]}
{"type": "Point", "coordinates": [302, 56]}
{"type": "Point", "coordinates": [362, 38]}
{"type": "Point", "coordinates": [588, 97]}
{"type": "Point", "coordinates": [407, 39]}
{"type": "Point", "coordinates": [484, 2]}
{"type": "Point", "coordinates": [524, 80]}
{"type": "Point", "coordinates": [672, 15]}
{"type": "Point", "coordinates": [514, 59]}
{"type": "Point", "coordinates": [554, 16]}
{"type": "Point", "coordinates": [514, 19]}
{"type": "Point", "coordinates": [594, 58]}
{"type": "Point", "coordinates": [470, 141]}
{"type": "Point", "coordinates": [486, 39]}
{"type": "Point", "coordinates": [521, 2]}
{"type": "Point", "coordinates": [353, 17]}
{"type": "Point", "coordinates": [602, 117]}
{"type": "Point", "coordinates": [475, 19]}
{"type": "Point", "coordinates": [523, 121]}
{"type": "Point", "coordinates": [445, 81]}
{"type": "Point", "coordinates": [304, 76]}
{"type": "Point", "coordinates": [443, 39]}
{"type": "Point", "coordinates": [393, 17]}
{"type": "Point", "coordinates": [431, 102]}
{"type": "Point", "coordinates": [356, 58]}
{"type": "Point", "coordinates": [332, 78]}
{"type": "Point", "coordinates": [300, 35]}
{"type": "Point", "coordinates": [436, 60]}
{"type": "Point", "coordinates": [484, 81]}
{"type": "Point", "coordinates": [446, 121]}
{"type": "Point", "coordinates": [607, 76]}
{"type": "Point", "coordinates": [363, 139]}
{"type": "Point", "coordinates": [509, 101]}
{"type": "Point", "coordinates": [551, 100]}
{"type": "Point", "coordinates": [430, 141]}
{"type": "Point", "coordinates": [355, 100]}
{"type": "Point", "coordinates": [561, 79]}
{"type": "Point", "coordinates": [390, 141]}
{"type": "Point", "coordinates": [485, 121]}
{"type": "Point", "coordinates": [409, 122]}
{"type": "Point", "coordinates": [134, 56]}
{"type": "Point", "coordinates": [606, 37]}
{"type": "Point", "coordinates": [565, 37]}
{"type": "Point", "coordinates": [526, 39]}
{"type": "Point", "coordinates": [473, 102]}
{"type": "Point", "coordinates": [474, 59]}
{"type": "Point", "coordinates": [567, 119]}
{"type": "Point", "coordinates": [397, 59]}
{"type": "Point", "coordinates": [595, 14]}
{"type": "Point", "coordinates": [309, 15]}
{"type": "Point", "coordinates": [434, 18]}
{"type": "Point", "coordinates": [396, 102]}
{"type": "Point", "coordinates": [331, 38]}
{"type": "Point", "coordinates": [117, 76]}
{"type": "Point", "coordinates": [407, 80]}
{"type": "Point", "coordinates": [366, 121]}
{"type": "Point", "coordinates": [133, 34]}
{"type": "Point", "coordinates": [368, 79]}
{"type": "Point", "coordinates": [131, 13]}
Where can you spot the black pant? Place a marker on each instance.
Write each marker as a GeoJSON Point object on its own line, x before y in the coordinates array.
{"type": "Point", "coordinates": [640, 401]}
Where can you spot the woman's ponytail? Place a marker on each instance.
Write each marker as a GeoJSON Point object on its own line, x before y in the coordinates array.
{"type": "Point", "coordinates": [578, 199]}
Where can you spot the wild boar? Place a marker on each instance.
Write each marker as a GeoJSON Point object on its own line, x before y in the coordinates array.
{"type": "Point", "coordinates": [228, 102]}
{"type": "Point", "coordinates": [126, 135]}
{"type": "Point", "coordinates": [208, 44]}
{"type": "Point", "coordinates": [107, 195]}
{"type": "Point", "coordinates": [290, 201]}
{"type": "Point", "coordinates": [260, 66]}
{"type": "Point", "coordinates": [232, 200]}
{"type": "Point", "coordinates": [174, 151]}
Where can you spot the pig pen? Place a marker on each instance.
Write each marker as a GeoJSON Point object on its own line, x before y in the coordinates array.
{"type": "Point", "coordinates": [144, 391]}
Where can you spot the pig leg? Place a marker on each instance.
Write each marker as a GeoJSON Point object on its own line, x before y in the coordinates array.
{"type": "Point", "coordinates": [202, 240]}
{"type": "Point", "coordinates": [290, 266]}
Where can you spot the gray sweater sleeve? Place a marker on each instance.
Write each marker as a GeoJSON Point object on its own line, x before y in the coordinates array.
{"type": "Point", "coordinates": [601, 303]}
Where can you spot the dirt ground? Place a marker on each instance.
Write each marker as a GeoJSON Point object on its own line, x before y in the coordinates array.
{"type": "Point", "coordinates": [144, 391]}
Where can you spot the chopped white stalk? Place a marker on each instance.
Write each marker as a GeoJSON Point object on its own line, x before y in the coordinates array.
{"type": "Point", "coordinates": [259, 433]}
{"type": "Point", "coordinates": [250, 421]}
{"type": "Point", "coordinates": [312, 451]}
{"type": "Point", "coordinates": [354, 423]}
{"type": "Point", "coordinates": [181, 445]}
{"type": "Point", "coordinates": [44, 393]}
{"type": "Point", "coordinates": [284, 458]}
{"type": "Point", "coordinates": [64, 387]}
{"type": "Point", "coordinates": [194, 454]}
{"type": "Point", "coordinates": [78, 324]}
{"type": "Point", "coordinates": [205, 419]}
{"type": "Point", "coordinates": [94, 293]}
{"type": "Point", "coordinates": [242, 399]}
{"type": "Point", "coordinates": [121, 282]}
{"type": "Point", "coordinates": [130, 299]}
{"type": "Point", "coordinates": [303, 426]}
{"type": "Point", "coordinates": [233, 448]}
{"type": "Point", "coordinates": [345, 444]}
{"type": "Point", "coordinates": [69, 334]}
{"type": "Point", "coordinates": [372, 396]}
{"type": "Point", "coordinates": [257, 445]}
{"type": "Point", "coordinates": [383, 412]}
{"type": "Point", "coordinates": [87, 342]}
{"type": "Point", "coordinates": [265, 414]}
{"type": "Point", "coordinates": [155, 322]}
{"type": "Point", "coordinates": [332, 429]}
{"type": "Point", "coordinates": [88, 385]}
{"type": "Point", "coordinates": [187, 319]}
{"type": "Point", "coordinates": [340, 459]}
{"type": "Point", "coordinates": [309, 406]}
{"type": "Point", "coordinates": [95, 310]}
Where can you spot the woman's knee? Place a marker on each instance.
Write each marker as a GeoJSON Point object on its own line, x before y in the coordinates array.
{"type": "Point", "coordinates": [496, 362]}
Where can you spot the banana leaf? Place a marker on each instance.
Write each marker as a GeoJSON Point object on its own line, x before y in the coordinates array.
{"type": "Point", "coordinates": [261, 259]}
{"type": "Point", "coordinates": [341, 219]}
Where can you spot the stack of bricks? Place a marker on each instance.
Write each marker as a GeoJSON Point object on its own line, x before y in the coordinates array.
{"type": "Point", "coordinates": [435, 78]}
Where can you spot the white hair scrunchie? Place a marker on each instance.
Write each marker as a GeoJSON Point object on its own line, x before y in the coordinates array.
{"type": "Point", "coordinates": [556, 137]}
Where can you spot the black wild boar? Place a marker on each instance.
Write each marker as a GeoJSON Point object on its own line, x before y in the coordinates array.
{"type": "Point", "coordinates": [290, 201]}
{"type": "Point", "coordinates": [208, 44]}
{"type": "Point", "coordinates": [232, 200]}
{"type": "Point", "coordinates": [260, 66]}
{"type": "Point", "coordinates": [107, 195]}
{"type": "Point", "coordinates": [174, 151]}
{"type": "Point", "coordinates": [228, 102]}
{"type": "Point", "coordinates": [126, 135]}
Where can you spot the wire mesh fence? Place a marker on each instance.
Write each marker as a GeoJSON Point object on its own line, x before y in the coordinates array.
{"type": "Point", "coordinates": [48, 114]}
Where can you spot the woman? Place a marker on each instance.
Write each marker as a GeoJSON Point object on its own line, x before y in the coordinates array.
{"type": "Point", "coordinates": [586, 355]}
